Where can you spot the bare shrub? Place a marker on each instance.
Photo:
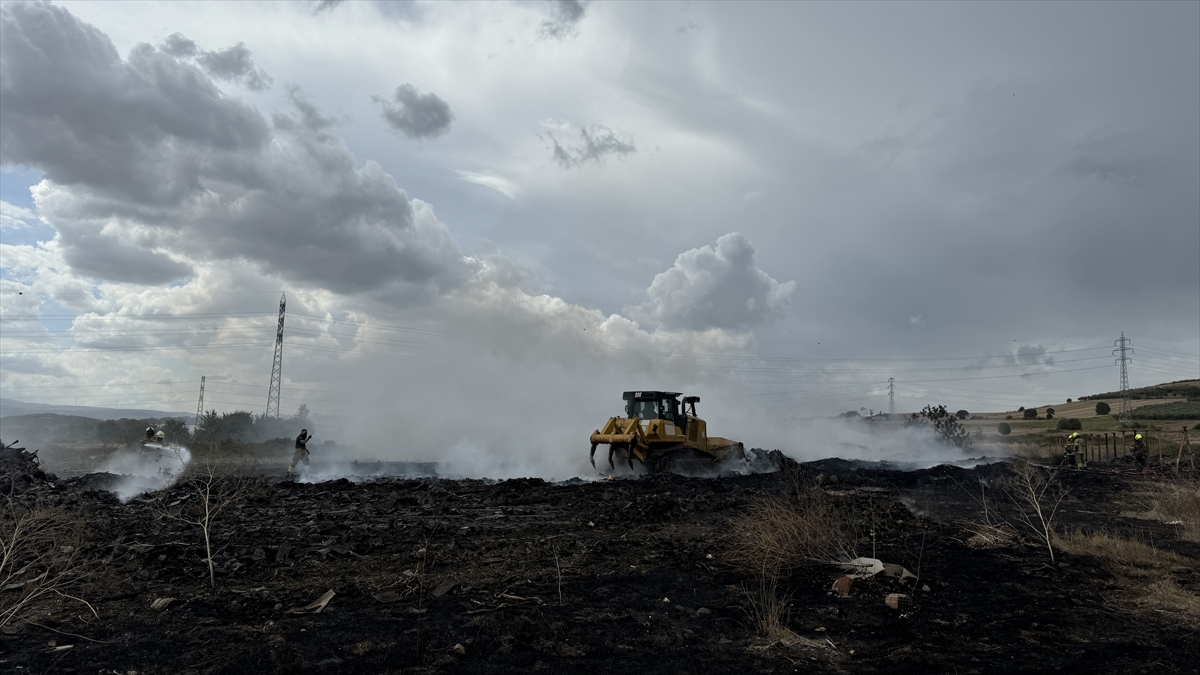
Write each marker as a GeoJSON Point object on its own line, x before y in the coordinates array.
{"type": "Point", "coordinates": [211, 489]}
{"type": "Point", "coordinates": [40, 556]}
{"type": "Point", "coordinates": [1037, 494]}
{"type": "Point", "coordinates": [1179, 501]}
{"type": "Point", "coordinates": [804, 525]}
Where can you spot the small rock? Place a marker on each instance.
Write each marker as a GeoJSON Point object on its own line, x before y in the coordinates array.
{"type": "Point", "coordinates": [925, 588]}
{"type": "Point", "coordinates": [666, 600]}
{"type": "Point", "coordinates": [161, 603]}
{"type": "Point", "coordinates": [703, 611]}
{"type": "Point", "coordinates": [820, 629]}
{"type": "Point", "coordinates": [459, 649]}
{"type": "Point", "coordinates": [444, 588]}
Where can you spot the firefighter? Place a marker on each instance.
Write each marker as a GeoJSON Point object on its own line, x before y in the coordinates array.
{"type": "Point", "coordinates": [1141, 452]}
{"type": "Point", "coordinates": [301, 454]}
{"type": "Point", "coordinates": [1074, 450]}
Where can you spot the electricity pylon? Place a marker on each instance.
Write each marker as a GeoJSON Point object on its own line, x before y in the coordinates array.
{"type": "Point", "coordinates": [277, 364]}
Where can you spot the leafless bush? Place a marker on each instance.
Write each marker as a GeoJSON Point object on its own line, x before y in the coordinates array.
{"type": "Point", "coordinates": [210, 489]}
{"type": "Point", "coordinates": [801, 526]}
{"type": "Point", "coordinates": [40, 556]}
{"type": "Point", "coordinates": [1037, 494]}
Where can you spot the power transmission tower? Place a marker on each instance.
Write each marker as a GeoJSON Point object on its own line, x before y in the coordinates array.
{"type": "Point", "coordinates": [891, 396]}
{"type": "Point", "coordinates": [1123, 352]}
{"type": "Point", "coordinates": [277, 365]}
{"type": "Point", "coordinates": [200, 405]}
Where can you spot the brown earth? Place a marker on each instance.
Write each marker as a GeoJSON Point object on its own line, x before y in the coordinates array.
{"type": "Point", "coordinates": [623, 576]}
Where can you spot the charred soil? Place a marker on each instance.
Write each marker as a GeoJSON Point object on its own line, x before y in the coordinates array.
{"type": "Point", "coordinates": [637, 575]}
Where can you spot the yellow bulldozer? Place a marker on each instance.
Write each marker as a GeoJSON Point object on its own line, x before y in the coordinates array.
{"type": "Point", "coordinates": [662, 435]}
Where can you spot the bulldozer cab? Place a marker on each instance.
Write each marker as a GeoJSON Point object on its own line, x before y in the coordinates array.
{"type": "Point", "coordinates": [654, 405]}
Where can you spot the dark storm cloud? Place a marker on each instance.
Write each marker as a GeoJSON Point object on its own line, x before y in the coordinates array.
{"type": "Point", "coordinates": [718, 287]}
{"type": "Point", "coordinates": [138, 129]}
{"type": "Point", "coordinates": [326, 5]}
{"type": "Point", "coordinates": [414, 114]}
{"type": "Point", "coordinates": [594, 145]}
{"type": "Point", "coordinates": [564, 19]}
{"type": "Point", "coordinates": [146, 156]}
{"type": "Point", "coordinates": [310, 116]}
{"type": "Point", "coordinates": [179, 46]}
{"type": "Point", "coordinates": [235, 64]}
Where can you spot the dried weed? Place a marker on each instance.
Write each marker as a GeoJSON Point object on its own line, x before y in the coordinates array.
{"type": "Point", "coordinates": [1142, 573]}
{"type": "Point", "coordinates": [1178, 501]}
{"type": "Point", "coordinates": [805, 525]}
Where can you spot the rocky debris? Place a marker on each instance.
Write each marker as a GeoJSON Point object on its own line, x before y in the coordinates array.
{"type": "Point", "coordinates": [21, 470]}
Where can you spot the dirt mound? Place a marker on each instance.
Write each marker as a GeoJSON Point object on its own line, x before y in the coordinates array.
{"type": "Point", "coordinates": [21, 471]}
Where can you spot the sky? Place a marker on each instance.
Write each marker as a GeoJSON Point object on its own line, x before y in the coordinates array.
{"type": "Point", "coordinates": [491, 218]}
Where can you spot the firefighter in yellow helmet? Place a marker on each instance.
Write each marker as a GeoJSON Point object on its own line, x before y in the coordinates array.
{"type": "Point", "coordinates": [1141, 452]}
{"type": "Point", "coordinates": [1075, 450]}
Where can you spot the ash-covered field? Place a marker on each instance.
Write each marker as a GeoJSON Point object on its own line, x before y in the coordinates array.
{"type": "Point", "coordinates": [651, 574]}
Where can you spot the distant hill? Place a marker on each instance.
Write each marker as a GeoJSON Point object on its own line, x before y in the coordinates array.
{"type": "Point", "coordinates": [1180, 388]}
{"type": "Point", "coordinates": [10, 407]}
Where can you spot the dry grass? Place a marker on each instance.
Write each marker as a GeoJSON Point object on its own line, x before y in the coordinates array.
{"type": "Point", "coordinates": [986, 535]}
{"type": "Point", "coordinates": [769, 612]}
{"type": "Point", "coordinates": [776, 534]}
{"type": "Point", "coordinates": [1036, 452]}
{"type": "Point", "coordinates": [1142, 573]}
{"type": "Point", "coordinates": [1178, 501]}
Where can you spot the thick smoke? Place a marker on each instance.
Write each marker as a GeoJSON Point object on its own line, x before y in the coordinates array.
{"type": "Point", "coordinates": [148, 469]}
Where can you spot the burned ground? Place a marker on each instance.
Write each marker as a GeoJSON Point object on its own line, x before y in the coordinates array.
{"type": "Point", "coordinates": [635, 575]}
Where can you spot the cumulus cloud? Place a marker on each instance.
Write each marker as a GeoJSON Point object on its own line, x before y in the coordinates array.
{"type": "Point", "coordinates": [416, 115]}
{"type": "Point", "coordinates": [234, 64]}
{"type": "Point", "coordinates": [563, 21]}
{"type": "Point", "coordinates": [709, 288]}
{"type": "Point", "coordinates": [149, 167]}
{"type": "Point", "coordinates": [13, 217]}
{"type": "Point", "coordinates": [593, 145]}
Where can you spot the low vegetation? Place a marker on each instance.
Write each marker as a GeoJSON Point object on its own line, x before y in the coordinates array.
{"type": "Point", "coordinates": [1184, 388]}
{"type": "Point", "coordinates": [1179, 410]}
{"type": "Point", "coordinates": [804, 526]}
{"type": "Point", "coordinates": [1143, 576]}
{"type": "Point", "coordinates": [1178, 502]}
